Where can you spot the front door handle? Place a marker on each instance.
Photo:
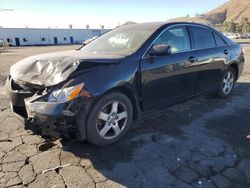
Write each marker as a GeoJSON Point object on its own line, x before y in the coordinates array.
{"type": "Point", "coordinates": [193, 59]}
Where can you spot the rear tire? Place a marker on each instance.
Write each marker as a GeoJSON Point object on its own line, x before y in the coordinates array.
{"type": "Point", "coordinates": [109, 119]}
{"type": "Point", "coordinates": [227, 83]}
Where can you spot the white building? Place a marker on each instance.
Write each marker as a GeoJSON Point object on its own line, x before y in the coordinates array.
{"type": "Point", "coordinates": [36, 36]}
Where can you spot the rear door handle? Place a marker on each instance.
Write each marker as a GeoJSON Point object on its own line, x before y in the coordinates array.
{"type": "Point", "coordinates": [193, 59]}
{"type": "Point", "coordinates": [226, 52]}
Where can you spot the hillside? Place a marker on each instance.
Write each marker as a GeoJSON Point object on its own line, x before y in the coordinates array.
{"type": "Point", "coordinates": [232, 11]}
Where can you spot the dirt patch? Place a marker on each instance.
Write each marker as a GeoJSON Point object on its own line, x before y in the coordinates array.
{"type": "Point", "coordinates": [2, 79]}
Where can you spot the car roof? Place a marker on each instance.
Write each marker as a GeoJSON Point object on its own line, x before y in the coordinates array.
{"type": "Point", "coordinates": [146, 25]}
{"type": "Point", "coordinates": [157, 25]}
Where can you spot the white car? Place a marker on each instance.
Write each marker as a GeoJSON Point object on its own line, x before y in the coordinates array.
{"type": "Point", "coordinates": [233, 35]}
{"type": "Point", "coordinates": [119, 40]}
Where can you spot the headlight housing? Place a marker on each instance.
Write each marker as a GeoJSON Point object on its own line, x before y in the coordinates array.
{"type": "Point", "coordinates": [65, 94]}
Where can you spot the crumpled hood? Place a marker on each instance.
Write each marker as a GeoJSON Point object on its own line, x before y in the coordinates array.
{"type": "Point", "coordinates": [54, 68]}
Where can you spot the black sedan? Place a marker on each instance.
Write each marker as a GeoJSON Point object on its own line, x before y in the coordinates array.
{"type": "Point", "coordinates": [98, 90]}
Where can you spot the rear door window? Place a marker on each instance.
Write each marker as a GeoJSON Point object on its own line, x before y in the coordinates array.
{"type": "Point", "coordinates": [201, 38]}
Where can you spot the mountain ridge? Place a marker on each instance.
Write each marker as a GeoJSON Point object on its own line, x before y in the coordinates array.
{"type": "Point", "coordinates": [231, 11]}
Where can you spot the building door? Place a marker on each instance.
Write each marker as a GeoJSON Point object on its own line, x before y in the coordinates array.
{"type": "Point", "coordinates": [71, 40]}
{"type": "Point", "coordinates": [55, 40]}
{"type": "Point", "coordinates": [17, 41]}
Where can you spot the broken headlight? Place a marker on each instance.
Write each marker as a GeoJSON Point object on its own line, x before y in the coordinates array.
{"type": "Point", "coordinates": [65, 94]}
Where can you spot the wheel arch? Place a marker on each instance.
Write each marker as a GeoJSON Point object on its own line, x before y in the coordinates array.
{"type": "Point", "coordinates": [131, 96]}
{"type": "Point", "coordinates": [236, 69]}
{"type": "Point", "coordinates": [127, 91]}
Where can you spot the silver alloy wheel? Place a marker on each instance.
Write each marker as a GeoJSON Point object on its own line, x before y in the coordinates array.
{"type": "Point", "coordinates": [228, 83]}
{"type": "Point", "coordinates": [111, 120]}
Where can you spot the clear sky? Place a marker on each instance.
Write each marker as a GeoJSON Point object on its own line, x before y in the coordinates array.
{"type": "Point", "coordinates": [110, 13]}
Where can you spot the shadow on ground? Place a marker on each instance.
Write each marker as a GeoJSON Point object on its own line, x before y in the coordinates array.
{"type": "Point", "coordinates": [198, 143]}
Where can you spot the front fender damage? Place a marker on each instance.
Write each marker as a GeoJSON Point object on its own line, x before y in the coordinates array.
{"type": "Point", "coordinates": [44, 72]}
{"type": "Point", "coordinates": [55, 119]}
{"type": "Point", "coordinates": [33, 78]}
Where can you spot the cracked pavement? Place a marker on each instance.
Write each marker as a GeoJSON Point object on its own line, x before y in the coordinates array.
{"type": "Point", "coordinates": [199, 143]}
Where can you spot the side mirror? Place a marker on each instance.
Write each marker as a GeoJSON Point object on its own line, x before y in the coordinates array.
{"type": "Point", "coordinates": [159, 50]}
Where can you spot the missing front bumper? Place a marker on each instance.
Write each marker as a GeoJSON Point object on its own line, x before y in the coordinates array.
{"type": "Point", "coordinates": [48, 125]}
{"type": "Point", "coordinates": [41, 116]}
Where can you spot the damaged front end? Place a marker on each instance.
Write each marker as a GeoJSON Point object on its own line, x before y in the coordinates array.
{"type": "Point", "coordinates": [47, 110]}
{"type": "Point", "coordinates": [48, 90]}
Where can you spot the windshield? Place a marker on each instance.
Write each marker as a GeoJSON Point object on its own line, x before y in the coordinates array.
{"type": "Point", "coordinates": [121, 41]}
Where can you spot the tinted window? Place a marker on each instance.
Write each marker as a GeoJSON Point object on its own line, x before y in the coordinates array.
{"type": "Point", "coordinates": [202, 37]}
{"type": "Point", "coordinates": [176, 37]}
{"type": "Point", "coordinates": [219, 41]}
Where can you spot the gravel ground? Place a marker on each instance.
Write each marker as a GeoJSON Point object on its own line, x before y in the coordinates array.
{"type": "Point", "coordinates": [200, 143]}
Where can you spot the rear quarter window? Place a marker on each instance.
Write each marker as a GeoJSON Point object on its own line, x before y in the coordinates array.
{"type": "Point", "coordinates": [201, 37]}
{"type": "Point", "coordinates": [219, 41]}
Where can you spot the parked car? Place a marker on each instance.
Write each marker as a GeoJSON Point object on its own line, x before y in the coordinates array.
{"type": "Point", "coordinates": [98, 90]}
{"type": "Point", "coordinates": [238, 36]}
{"type": "Point", "coordinates": [233, 35]}
{"type": "Point", "coordinates": [119, 40]}
{"type": "Point", "coordinates": [244, 36]}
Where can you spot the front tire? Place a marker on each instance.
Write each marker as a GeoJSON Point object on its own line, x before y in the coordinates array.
{"type": "Point", "coordinates": [109, 119]}
{"type": "Point", "coordinates": [227, 83]}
